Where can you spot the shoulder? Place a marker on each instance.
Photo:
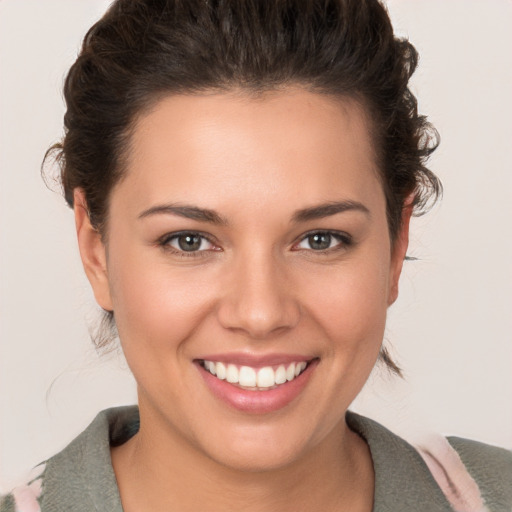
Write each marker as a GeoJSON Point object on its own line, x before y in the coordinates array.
{"type": "Point", "coordinates": [472, 475]}
{"type": "Point", "coordinates": [7, 503]}
{"type": "Point", "coordinates": [25, 498]}
{"type": "Point", "coordinates": [441, 473]}
{"type": "Point", "coordinates": [491, 467]}
{"type": "Point", "coordinates": [80, 477]}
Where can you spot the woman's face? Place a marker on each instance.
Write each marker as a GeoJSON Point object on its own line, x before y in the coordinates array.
{"type": "Point", "coordinates": [248, 239]}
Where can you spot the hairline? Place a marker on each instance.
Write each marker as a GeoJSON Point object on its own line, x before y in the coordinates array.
{"type": "Point", "coordinates": [253, 92]}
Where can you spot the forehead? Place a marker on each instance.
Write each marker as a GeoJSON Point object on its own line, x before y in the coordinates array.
{"type": "Point", "coordinates": [291, 145]}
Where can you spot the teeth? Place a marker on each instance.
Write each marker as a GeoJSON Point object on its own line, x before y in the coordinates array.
{"type": "Point", "coordinates": [281, 375]}
{"type": "Point", "coordinates": [247, 377]}
{"type": "Point", "coordinates": [266, 377]}
{"type": "Point", "coordinates": [211, 368]}
{"type": "Point", "coordinates": [232, 374]}
{"type": "Point", "coordinates": [262, 378]}
{"type": "Point", "coordinates": [220, 369]}
{"type": "Point", "coordinates": [299, 368]}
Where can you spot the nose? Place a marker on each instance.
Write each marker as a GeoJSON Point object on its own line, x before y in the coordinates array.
{"type": "Point", "coordinates": [259, 299]}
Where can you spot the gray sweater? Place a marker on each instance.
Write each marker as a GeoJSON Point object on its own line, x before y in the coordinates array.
{"type": "Point", "coordinates": [81, 477]}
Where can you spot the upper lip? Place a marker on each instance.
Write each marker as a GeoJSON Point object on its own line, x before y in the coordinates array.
{"type": "Point", "coordinates": [255, 360]}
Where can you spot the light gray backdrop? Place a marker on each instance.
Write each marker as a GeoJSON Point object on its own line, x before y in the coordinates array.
{"type": "Point", "coordinates": [451, 328]}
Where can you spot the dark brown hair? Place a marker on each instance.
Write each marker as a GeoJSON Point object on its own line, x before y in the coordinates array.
{"type": "Point", "coordinates": [142, 50]}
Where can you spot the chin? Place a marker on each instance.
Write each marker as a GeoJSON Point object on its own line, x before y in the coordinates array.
{"type": "Point", "coordinates": [260, 448]}
{"type": "Point", "coordinates": [238, 457]}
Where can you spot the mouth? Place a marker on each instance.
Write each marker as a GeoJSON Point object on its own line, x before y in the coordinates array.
{"type": "Point", "coordinates": [249, 378]}
{"type": "Point", "coordinates": [257, 385]}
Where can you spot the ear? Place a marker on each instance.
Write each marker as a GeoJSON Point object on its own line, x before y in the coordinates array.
{"type": "Point", "coordinates": [399, 251]}
{"type": "Point", "coordinates": [92, 251]}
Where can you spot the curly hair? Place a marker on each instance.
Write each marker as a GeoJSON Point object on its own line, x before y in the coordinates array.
{"type": "Point", "coordinates": [143, 50]}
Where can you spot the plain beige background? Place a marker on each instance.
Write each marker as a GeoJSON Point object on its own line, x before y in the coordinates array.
{"type": "Point", "coordinates": [451, 328]}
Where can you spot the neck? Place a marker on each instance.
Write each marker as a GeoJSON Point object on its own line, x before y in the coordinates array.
{"type": "Point", "coordinates": [160, 470]}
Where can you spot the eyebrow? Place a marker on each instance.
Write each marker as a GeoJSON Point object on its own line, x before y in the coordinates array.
{"type": "Point", "coordinates": [188, 212]}
{"type": "Point", "coordinates": [212, 217]}
{"type": "Point", "coordinates": [328, 209]}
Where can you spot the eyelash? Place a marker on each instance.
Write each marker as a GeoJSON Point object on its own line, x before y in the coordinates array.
{"type": "Point", "coordinates": [165, 241]}
{"type": "Point", "coordinates": [344, 241]}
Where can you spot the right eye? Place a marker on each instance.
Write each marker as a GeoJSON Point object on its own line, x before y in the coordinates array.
{"type": "Point", "coordinates": [324, 241]}
{"type": "Point", "coordinates": [187, 242]}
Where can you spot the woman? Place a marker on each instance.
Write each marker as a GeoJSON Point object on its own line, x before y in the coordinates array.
{"type": "Point", "coordinates": [243, 177]}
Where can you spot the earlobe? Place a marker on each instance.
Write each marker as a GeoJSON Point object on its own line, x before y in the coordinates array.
{"type": "Point", "coordinates": [92, 251]}
{"type": "Point", "coordinates": [399, 251]}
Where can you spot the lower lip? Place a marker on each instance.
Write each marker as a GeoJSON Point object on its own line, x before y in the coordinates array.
{"type": "Point", "coordinates": [258, 402]}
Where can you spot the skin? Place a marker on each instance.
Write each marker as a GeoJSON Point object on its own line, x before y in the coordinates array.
{"type": "Point", "coordinates": [258, 287]}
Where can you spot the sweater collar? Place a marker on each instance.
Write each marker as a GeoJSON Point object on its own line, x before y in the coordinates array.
{"type": "Point", "coordinates": [81, 477]}
{"type": "Point", "coordinates": [403, 481]}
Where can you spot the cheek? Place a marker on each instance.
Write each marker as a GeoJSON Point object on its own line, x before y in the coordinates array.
{"type": "Point", "coordinates": [350, 304]}
{"type": "Point", "coordinates": [154, 304]}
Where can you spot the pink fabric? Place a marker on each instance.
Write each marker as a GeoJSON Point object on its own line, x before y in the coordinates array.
{"type": "Point", "coordinates": [26, 496]}
{"type": "Point", "coordinates": [451, 475]}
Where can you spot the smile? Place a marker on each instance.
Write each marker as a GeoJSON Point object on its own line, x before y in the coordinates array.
{"type": "Point", "coordinates": [257, 385]}
{"type": "Point", "coordinates": [256, 379]}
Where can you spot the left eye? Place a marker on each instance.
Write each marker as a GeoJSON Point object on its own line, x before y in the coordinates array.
{"type": "Point", "coordinates": [189, 242]}
{"type": "Point", "coordinates": [322, 241]}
